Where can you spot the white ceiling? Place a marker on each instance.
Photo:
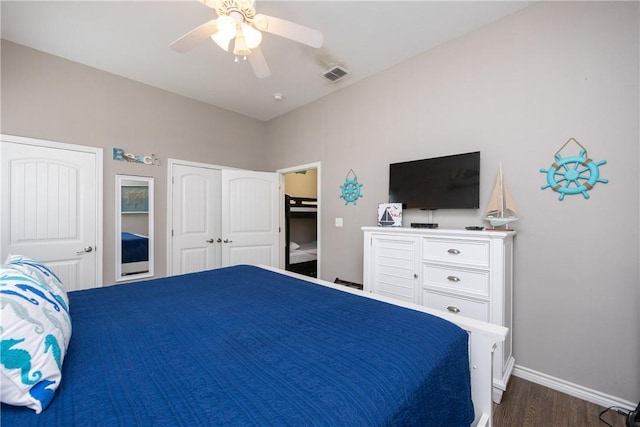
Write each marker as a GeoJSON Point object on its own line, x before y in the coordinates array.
{"type": "Point", "coordinates": [131, 39]}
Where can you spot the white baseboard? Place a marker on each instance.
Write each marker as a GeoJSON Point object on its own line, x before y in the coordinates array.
{"type": "Point", "coordinates": [571, 389]}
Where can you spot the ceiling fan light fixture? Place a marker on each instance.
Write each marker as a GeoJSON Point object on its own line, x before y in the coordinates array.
{"type": "Point", "coordinates": [237, 20]}
{"type": "Point", "coordinates": [240, 46]}
{"type": "Point", "coordinates": [252, 37]}
{"type": "Point", "coordinates": [226, 31]}
{"type": "Point", "coordinates": [221, 41]}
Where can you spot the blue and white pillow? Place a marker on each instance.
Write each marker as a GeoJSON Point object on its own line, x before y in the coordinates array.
{"type": "Point", "coordinates": [34, 336]}
{"type": "Point", "coordinates": [40, 272]}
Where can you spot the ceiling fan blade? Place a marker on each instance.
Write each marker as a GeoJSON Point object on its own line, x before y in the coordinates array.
{"type": "Point", "coordinates": [258, 63]}
{"type": "Point", "coordinates": [195, 36]}
{"type": "Point", "coordinates": [288, 29]}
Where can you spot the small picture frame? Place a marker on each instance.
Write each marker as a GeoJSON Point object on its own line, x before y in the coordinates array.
{"type": "Point", "coordinates": [135, 199]}
{"type": "Point", "coordinates": [390, 215]}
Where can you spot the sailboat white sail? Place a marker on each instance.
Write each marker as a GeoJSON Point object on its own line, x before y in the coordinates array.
{"type": "Point", "coordinates": [501, 209]}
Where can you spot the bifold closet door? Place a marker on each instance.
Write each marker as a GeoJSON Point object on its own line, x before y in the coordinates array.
{"type": "Point", "coordinates": [250, 223]}
{"type": "Point", "coordinates": [196, 236]}
{"type": "Point", "coordinates": [222, 217]}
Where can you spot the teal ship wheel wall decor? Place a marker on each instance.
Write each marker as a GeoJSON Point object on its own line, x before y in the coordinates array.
{"type": "Point", "coordinates": [573, 175]}
{"type": "Point", "coordinates": [351, 190]}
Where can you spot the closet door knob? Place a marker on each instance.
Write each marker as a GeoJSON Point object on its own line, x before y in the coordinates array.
{"type": "Point", "coordinates": [218, 240]}
{"type": "Point", "coordinates": [85, 250]}
{"type": "Point", "coordinates": [227, 241]}
{"type": "Point", "coordinates": [209, 240]}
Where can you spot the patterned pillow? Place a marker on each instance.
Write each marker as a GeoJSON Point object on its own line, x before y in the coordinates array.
{"type": "Point", "coordinates": [34, 335]}
{"type": "Point", "coordinates": [41, 273]}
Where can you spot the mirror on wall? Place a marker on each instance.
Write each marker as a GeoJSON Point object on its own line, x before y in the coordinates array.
{"type": "Point", "coordinates": [134, 227]}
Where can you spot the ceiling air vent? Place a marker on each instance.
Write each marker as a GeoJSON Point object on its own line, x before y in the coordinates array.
{"type": "Point", "coordinates": [335, 73]}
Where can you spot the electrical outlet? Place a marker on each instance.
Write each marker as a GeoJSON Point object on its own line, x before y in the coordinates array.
{"type": "Point", "coordinates": [338, 222]}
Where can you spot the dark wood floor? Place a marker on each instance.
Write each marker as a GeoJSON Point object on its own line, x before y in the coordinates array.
{"type": "Point", "coordinates": [532, 405]}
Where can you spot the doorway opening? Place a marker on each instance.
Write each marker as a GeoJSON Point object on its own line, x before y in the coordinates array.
{"type": "Point", "coordinates": [300, 238]}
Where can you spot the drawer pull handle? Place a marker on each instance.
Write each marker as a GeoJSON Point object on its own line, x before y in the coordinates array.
{"type": "Point", "coordinates": [455, 279]}
{"type": "Point", "coordinates": [454, 251]}
{"type": "Point", "coordinates": [453, 309]}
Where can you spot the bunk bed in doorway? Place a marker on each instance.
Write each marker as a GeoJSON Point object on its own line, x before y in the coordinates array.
{"type": "Point", "coordinates": [301, 251]}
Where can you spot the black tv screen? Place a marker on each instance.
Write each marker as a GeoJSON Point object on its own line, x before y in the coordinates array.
{"type": "Point", "coordinates": [449, 182]}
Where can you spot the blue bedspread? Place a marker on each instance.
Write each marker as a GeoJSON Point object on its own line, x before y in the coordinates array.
{"type": "Point", "coordinates": [135, 248]}
{"type": "Point", "coordinates": [246, 346]}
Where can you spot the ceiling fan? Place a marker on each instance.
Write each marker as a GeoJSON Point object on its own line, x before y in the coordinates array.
{"type": "Point", "coordinates": [237, 20]}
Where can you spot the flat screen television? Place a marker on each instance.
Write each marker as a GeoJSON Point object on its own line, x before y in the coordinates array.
{"type": "Point", "coordinates": [449, 182]}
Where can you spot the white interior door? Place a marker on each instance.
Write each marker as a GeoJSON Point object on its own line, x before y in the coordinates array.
{"type": "Point", "coordinates": [195, 218]}
{"type": "Point", "coordinates": [52, 207]}
{"type": "Point", "coordinates": [250, 223]}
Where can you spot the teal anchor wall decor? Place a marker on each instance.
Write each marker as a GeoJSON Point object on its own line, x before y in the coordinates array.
{"type": "Point", "coordinates": [351, 190]}
{"type": "Point", "coordinates": [573, 175]}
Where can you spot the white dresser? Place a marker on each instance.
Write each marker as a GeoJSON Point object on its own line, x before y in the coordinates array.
{"type": "Point", "coordinates": [469, 273]}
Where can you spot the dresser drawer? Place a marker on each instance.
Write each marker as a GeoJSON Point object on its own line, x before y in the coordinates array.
{"type": "Point", "coordinates": [456, 279]}
{"type": "Point", "coordinates": [472, 252]}
{"type": "Point", "coordinates": [478, 310]}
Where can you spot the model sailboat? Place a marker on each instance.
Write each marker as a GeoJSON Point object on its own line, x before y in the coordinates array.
{"type": "Point", "coordinates": [501, 209]}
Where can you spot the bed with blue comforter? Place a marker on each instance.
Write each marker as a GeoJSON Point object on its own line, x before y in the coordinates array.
{"type": "Point", "coordinates": [247, 346]}
{"type": "Point", "coordinates": [135, 248]}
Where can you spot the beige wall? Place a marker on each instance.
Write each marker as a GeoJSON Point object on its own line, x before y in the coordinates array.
{"type": "Point", "coordinates": [50, 98]}
{"type": "Point", "coordinates": [516, 91]}
{"type": "Point", "coordinates": [302, 184]}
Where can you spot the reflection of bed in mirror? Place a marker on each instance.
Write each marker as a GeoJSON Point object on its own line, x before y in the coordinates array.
{"type": "Point", "coordinates": [301, 253]}
{"type": "Point", "coordinates": [135, 253]}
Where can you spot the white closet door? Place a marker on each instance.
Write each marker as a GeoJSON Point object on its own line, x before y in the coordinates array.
{"type": "Point", "coordinates": [195, 219]}
{"type": "Point", "coordinates": [51, 207]}
{"type": "Point", "coordinates": [250, 223]}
